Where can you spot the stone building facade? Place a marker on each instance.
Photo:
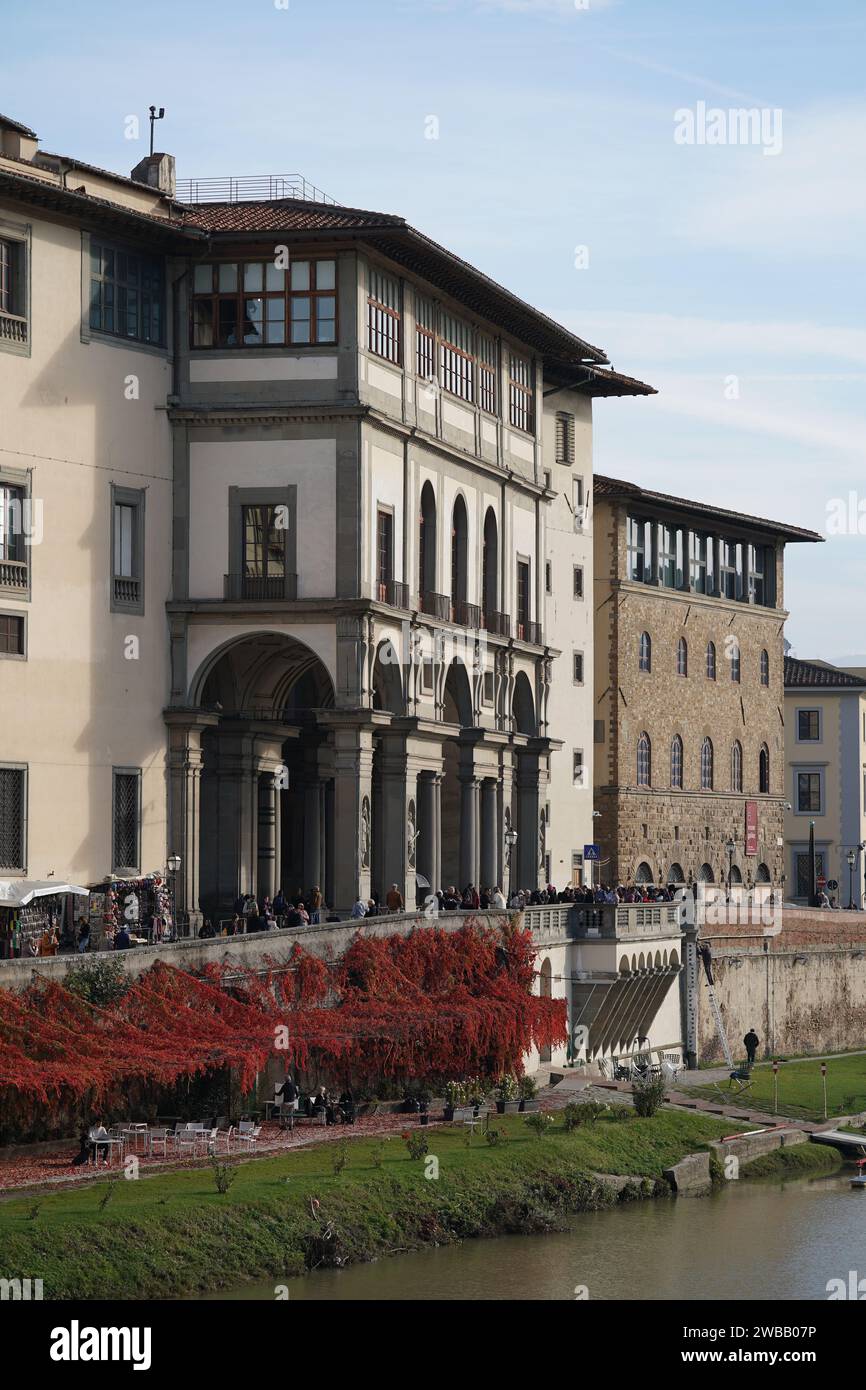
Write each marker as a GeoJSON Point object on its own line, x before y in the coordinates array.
{"type": "Point", "coordinates": [689, 714]}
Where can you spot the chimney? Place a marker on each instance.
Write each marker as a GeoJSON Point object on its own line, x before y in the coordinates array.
{"type": "Point", "coordinates": [16, 140]}
{"type": "Point", "coordinates": [157, 171]}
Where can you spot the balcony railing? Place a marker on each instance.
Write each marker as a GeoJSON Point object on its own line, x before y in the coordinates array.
{"type": "Point", "coordinates": [529, 632]}
{"type": "Point", "coordinates": [126, 589]}
{"type": "Point", "coordinates": [437, 605]}
{"type": "Point", "coordinates": [465, 614]}
{"type": "Point", "coordinates": [260, 588]}
{"type": "Point", "coordinates": [498, 623]}
{"type": "Point", "coordinates": [14, 574]}
{"type": "Point", "coordinates": [13, 328]}
{"type": "Point", "coordinates": [394, 593]}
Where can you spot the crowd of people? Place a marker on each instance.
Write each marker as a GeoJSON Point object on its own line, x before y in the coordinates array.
{"type": "Point", "coordinates": [316, 1102]}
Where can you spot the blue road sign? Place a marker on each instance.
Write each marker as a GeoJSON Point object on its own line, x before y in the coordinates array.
{"type": "Point", "coordinates": [592, 851]}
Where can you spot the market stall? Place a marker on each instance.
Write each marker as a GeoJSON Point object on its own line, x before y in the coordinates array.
{"type": "Point", "coordinates": [143, 905]}
{"type": "Point", "coordinates": [39, 917]}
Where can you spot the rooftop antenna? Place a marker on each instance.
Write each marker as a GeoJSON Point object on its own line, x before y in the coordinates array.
{"type": "Point", "coordinates": [154, 116]}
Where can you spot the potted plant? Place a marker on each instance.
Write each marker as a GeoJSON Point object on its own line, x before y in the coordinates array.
{"type": "Point", "coordinates": [455, 1094]}
{"type": "Point", "coordinates": [528, 1089]}
{"type": "Point", "coordinates": [507, 1095]}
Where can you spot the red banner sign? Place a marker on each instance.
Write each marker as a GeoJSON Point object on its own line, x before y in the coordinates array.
{"type": "Point", "coordinates": [751, 827]}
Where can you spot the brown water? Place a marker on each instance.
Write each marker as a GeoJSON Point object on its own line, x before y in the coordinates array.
{"type": "Point", "coordinates": [750, 1240]}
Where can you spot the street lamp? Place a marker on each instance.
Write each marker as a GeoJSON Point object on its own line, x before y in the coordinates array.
{"type": "Point", "coordinates": [852, 860]}
{"type": "Point", "coordinates": [510, 842]}
{"type": "Point", "coordinates": [174, 863]}
{"type": "Point", "coordinates": [730, 849]}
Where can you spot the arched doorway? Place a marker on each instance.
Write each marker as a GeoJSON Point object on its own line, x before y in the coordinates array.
{"type": "Point", "coordinates": [427, 544]}
{"type": "Point", "coordinates": [266, 795]}
{"type": "Point", "coordinates": [459, 560]}
{"type": "Point", "coordinates": [490, 569]}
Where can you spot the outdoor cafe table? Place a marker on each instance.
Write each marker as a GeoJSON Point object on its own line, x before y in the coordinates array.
{"type": "Point", "coordinates": [109, 1143]}
{"type": "Point", "coordinates": [136, 1132]}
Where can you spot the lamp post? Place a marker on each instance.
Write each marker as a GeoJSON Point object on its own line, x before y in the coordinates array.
{"type": "Point", "coordinates": [510, 838]}
{"type": "Point", "coordinates": [730, 850]}
{"type": "Point", "coordinates": [174, 863]}
{"type": "Point", "coordinates": [852, 860]}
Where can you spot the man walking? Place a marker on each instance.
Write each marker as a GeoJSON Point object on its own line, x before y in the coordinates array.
{"type": "Point", "coordinates": [751, 1042]}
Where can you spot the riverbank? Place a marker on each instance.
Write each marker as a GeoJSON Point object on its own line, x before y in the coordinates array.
{"type": "Point", "coordinates": [798, 1161]}
{"type": "Point", "coordinates": [175, 1235]}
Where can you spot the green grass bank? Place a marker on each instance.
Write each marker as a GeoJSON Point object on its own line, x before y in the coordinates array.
{"type": "Point", "coordinates": [175, 1235]}
{"type": "Point", "coordinates": [800, 1088]}
{"type": "Point", "coordinates": [799, 1161]}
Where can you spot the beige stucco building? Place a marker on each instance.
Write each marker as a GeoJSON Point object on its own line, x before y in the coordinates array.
{"type": "Point", "coordinates": [825, 752]}
{"type": "Point", "coordinates": [307, 597]}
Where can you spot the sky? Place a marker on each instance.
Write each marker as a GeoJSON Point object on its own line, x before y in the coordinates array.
{"type": "Point", "coordinates": [581, 152]}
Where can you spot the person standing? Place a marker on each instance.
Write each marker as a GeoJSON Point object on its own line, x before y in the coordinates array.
{"type": "Point", "coordinates": [394, 899]}
{"type": "Point", "coordinates": [751, 1042]}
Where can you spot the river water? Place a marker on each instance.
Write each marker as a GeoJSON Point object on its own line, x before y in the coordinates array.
{"type": "Point", "coordinates": [750, 1240]}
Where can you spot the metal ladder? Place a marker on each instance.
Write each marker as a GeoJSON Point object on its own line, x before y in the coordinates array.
{"type": "Point", "coordinates": [717, 1015]}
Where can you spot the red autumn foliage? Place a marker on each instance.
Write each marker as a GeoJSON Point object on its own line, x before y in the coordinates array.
{"type": "Point", "coordinates": [431, 1005]}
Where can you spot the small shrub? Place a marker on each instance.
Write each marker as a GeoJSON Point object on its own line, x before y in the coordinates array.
{"type": "Point", "coordinates": [33, 1210]}
{"type": "Point", "coordinates": [648, 1094]}
{"type": "Point", "coordinates": [417, 1144]}
{"type": "Point", "coordinates": [619, 1113]}
{"type": "Point", "coordinates": [539, 1122]}
{"type": "Point", "coordinates": [848, 1106]}
{"type": "Point", "coordinates": [377, 1155]}
{"type": "Point", "coordinates": [579, 1113]}
{"type": "Point", "coordinates": [339, 1157]}
{"type": "Point", "coordinates": [494, 1136]}
{"type": "Point", "coordinates": [102, 981]}
{"type": "Point", "coordinates": [527, 1087]}
{"type": "Point", "coordinates": [223, 1175]}
{"type": "Point", "coordinates": [507, 1088]}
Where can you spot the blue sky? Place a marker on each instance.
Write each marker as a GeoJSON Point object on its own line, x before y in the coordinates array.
{"type": "Point", "coordinates": [731, 279]}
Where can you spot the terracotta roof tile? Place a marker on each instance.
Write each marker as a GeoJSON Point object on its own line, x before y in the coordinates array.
{"type": "Point", "coordinates": [282, 215]}
{"type": "Point", "coordinates": [803, 674]}
{"type": "Point", "coordinates": [619, 488]}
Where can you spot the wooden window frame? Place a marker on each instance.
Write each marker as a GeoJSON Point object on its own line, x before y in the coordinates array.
{"type": "Point", "coordinates": [384, 581]}
{"type": "Point", "coordinates": [384, 321]}
{"type": "Point", "coordinates": [521, 393]}
{"type": "Point", "coordinates": [425, 338]}
{"type": "Point", "coordinates": [7, 618]}
{"type": "Point", "coordinates": [564, 439]}
{"type": "Point", "coordinates": [286, 294]}
{"type": "Point", "coordinates": [101, 281]}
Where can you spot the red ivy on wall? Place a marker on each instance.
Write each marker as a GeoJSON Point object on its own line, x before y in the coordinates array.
{"type": "Point", "coordinates": [434, 1004]}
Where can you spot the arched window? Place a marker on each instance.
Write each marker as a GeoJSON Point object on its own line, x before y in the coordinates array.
{"type": "Point", "coordinates": [677, 762]}
{"type": "Point", "coordinates": [459, 555]}
{"type": "Point", "coordinates": [646, 652]}
{"type": "Point", "coordinates": [711, 661]}
{"type": "Point", "coordinates": [737, 767]}
{"type": "Point", "coordinates": [489, 568]}
{"type": "Point", "coordinates": [644, 874]}
{"type": "Point", "coordinates": [705, 874]}
{"type": "Point", "coordinates": [707, 765]}
{"type": "Point", "coordinates": [682, 657]}
{"type": "Point", "coordinates": [735, 661]}
{"type": "Point", "coordinates": [763, 874]}
{"type": "Point", "coordinates": [765, 668]}
{"type": "Point", "coordinates": [675, 875]}
{"type": "Point", "coordinates": [764, 769]}
{"type": "Point", "coordinates": [427, 543]}
{"type": "Point", "coordinates": [644, 761]}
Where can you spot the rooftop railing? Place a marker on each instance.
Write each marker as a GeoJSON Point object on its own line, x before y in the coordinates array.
{"type": "Point", "coordinates": [250, 188]}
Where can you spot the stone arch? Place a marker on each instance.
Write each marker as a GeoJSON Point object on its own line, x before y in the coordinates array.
{"type": "Point", "coordinates": [427, 540]}
{"type": "Point", "coordinates": [459, 553]}
{"type": "Point", "coordinates": [658, 960]}
{"type": "Point", "coordinates": [489, 567]}
{"type": "Point", "coordinates": [705, 874]}
{"type": "Point", "coordinates": [624, 967]}
{"type": "Point", "coordinates": [545, 989]}
{"type": "Point", "coordinates": [388, 679]}
{"type": "Point", "coordinates": [674, 960]}
{"type": "Point", "coordinates": [676, 874]}
{"type": "Point", "coordinates": [641, 961]}
{"type": "Point", "coordinates": [735, 876]}
{"type": "Point", "coordinates": [644, 873]}
{"type": "Point", "coordinates": [257, 672]}
{"type": "Point", "coordinates": [523, 706]}
{"type": "Point", "coordinates": [763, 874]}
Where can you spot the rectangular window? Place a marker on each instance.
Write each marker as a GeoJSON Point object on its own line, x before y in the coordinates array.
{"type": "Point", "coordinates": [757, 581]}
{"type": "Point", "coordinates": [487, 372]}
{"type": "Point", "coordinates": [13, 819]}
{"type": "Point", "coordinates": [809, 791]}
{"type": "Point", "coordinates": [13, 291]}
{"type": "Point", "coordinates": [523, 599]}
{"type": "Point", "coordinates": [578, 581]}
{"type": "Point", "coordinates": [264, 541]}
{"type": "Point", "coordinates": [383, 316]}
{"type": "Point", "coordinates": [126, 294]}
{"type": "Point", "coordinates": [668, 556]}
{"type": "Point", "coordinates": [576, 869]}
{"type": "Point", "coordinates": [127, 550]}
{"type": "Point", "coordinates": [425, 338]}
{"type": "Point", "coordinates": [456, 360]}
{"type": "Point", "coordinates": [487, 688]}
{"type": "Point", "coordinates": [12, 638]}
{"type": "Point", "coordinates": [808, 725]}
{"type": "Point", "coordinates": [384, 552]}
{"type": "Point", "coordinates": [698, 563]}
{"type": "Point", "coordinates": [564, 450]}
{"type": "Point", "coordinates": [577, 767]}
{"type": "Point", "coordinates": [577, 502]}
{"type": "Point", "coordinates": [14, 556]}
{"type": "Point", "coordinates": [577, 673]}
{"type": "Point", "coordinates": [639, 549]}
{"type": "Point", "coordinates": [259, 304]}
{"type": "Point", "coordinates": [731, 570]}
{"type": "Point", "coordinates": [521, 411]}
{"type": "Point", "coordinates": [548, 577]}
{"type": "Point", "coordinates": [598, 731]}
{"type": "Point", "coordinates": [126, 819]}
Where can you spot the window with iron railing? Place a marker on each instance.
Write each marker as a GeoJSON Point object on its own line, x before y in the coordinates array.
{"type": "Point", "coordinates": [258, 303]}
{"type": "Point", "coordinates": [523, 599]}
{"type": "Point", "coordinates": [127, 549]}
{"type": "Point", "coordinates": [383, 316]}
{"type": "Point", "coordinates": [13, 819]}
{"type": "Point", "coordinates": [264, 549]}
{"type": "Point", "coordinates": [13, 291]}
{"type": "Point", "coordinates": [384, 553]}
{"type": "Point", "coordinates": [521, 410]}
{"type": "Point", "coordinates": [126, 819]}
{"type": "Point", "coordinates": [14, 566]}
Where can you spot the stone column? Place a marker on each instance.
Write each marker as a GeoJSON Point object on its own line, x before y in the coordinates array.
{"type": "Point", "coordinates": [185, 729]}
{"type": "Point", "coordinates": [529, 865]}
{"type": "Point", "coordinates": [489, 833]}
{"type": "Point", "coordinates": [469, 805]}
{"type": "Point", "coordinates": [313, 797]}
{"type": "Point", "coordinates": [398, 854]}
{"type": "Point", "coordinates": [353, 807]}
{"type": "Point", "coordinates": [267, 843]}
